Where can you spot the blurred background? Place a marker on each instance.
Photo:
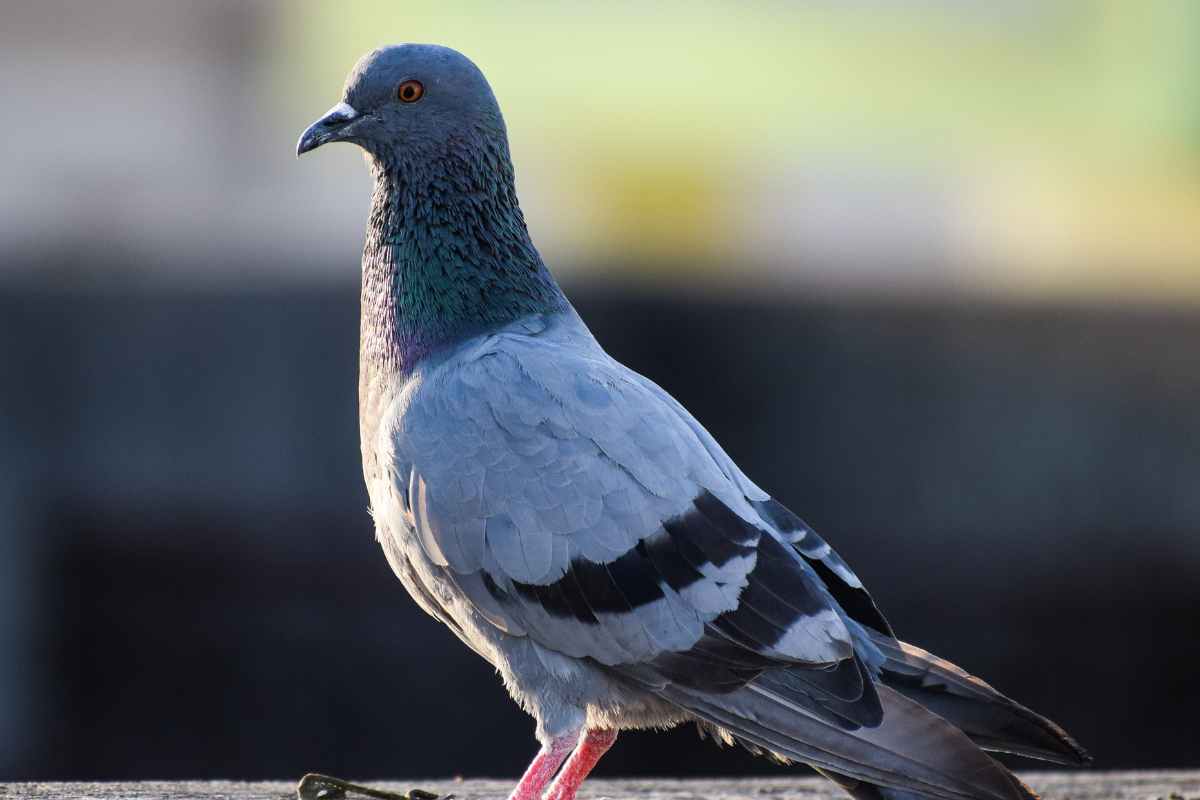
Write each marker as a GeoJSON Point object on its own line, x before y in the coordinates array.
{"type": "Point", "coordinates": [930, 270]}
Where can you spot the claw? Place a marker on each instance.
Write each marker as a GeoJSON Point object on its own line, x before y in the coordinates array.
{"type": "Point", "coordinates": [314, 786]}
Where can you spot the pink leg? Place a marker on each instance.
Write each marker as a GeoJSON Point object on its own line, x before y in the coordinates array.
{"type": "Point", "coordinates": [595, 744]}
{"type": "Point", "coordinates": [543, 767]}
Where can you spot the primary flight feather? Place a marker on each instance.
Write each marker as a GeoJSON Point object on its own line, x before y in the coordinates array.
{"type": "Point", "coordinates": [575, 526]}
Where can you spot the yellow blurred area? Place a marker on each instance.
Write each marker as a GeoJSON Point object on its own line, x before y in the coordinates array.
{"type": "Point", "coordinates": [1011, 147]}
{"type": "Point", "coordinates": [1056, 144]}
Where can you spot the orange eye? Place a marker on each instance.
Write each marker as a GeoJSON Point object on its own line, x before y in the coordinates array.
{"type": "Point", "coordinates": [410, 91]}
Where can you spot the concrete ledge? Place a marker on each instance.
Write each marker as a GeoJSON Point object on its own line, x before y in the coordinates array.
{"type": "Point", "coordinates": [1080, 785]}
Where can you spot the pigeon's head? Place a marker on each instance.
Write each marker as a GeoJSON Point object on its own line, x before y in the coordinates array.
{"type": "Point", "coordinates": [408, 98]}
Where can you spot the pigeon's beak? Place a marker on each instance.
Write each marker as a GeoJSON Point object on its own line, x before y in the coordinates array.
{"type": "Point", "coordinates": [327, 128]}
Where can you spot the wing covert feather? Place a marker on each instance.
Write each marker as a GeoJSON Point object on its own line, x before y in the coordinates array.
{"type": "Point", "coordinates": [598, 517]}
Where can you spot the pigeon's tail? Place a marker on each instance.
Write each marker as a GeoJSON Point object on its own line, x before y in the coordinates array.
{"type": "Point", "coordinates": [913, 753]}
{"type": "Point", "coordinates": [993, 721]}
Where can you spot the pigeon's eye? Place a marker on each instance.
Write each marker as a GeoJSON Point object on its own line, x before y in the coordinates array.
{"type": "Point", "coordinates": [410, 91]}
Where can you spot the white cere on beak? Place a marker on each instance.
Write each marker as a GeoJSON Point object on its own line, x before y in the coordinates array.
{"type": "Point", "coordinates": [343, 111]}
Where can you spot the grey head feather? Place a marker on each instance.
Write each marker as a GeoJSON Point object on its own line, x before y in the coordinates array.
{"type": "Point", "coordinates": [447, 253]}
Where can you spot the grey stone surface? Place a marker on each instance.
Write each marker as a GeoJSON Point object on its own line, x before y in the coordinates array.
{"type": "Point", "coordinates": [1082, 785]}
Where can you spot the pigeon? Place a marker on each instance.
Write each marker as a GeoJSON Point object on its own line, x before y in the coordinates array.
{"type": "Point", "coordinates": [574, 525]}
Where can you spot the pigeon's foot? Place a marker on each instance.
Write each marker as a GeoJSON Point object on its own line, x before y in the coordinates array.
{"type": "Point", "coordinates": [322, 787]}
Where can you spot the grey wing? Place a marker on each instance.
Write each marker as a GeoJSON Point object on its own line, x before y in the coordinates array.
{"type": "Point", "coordinates": [575, 503]}
{"type": "Point", "coordinates": [580, 508]}
{"type": "Point", "coordinates": [836, 574]}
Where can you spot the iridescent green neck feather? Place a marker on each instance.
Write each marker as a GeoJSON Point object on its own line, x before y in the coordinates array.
{"type": "Point", "coordinates": [447, 253]}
